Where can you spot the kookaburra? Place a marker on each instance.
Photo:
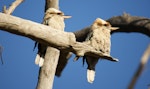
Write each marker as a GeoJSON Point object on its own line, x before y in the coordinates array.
{"type": "Point", "coordinates": [55, 19]}
{"type": "Point", "coordinates": [99, 39]}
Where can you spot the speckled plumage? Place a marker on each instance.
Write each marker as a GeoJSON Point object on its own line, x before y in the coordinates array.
{"type": "Point", "coordinates": [55, 19]}
{"type": "Point", "coordinates": [99, 39]}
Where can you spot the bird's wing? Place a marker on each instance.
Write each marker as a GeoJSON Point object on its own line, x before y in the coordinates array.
{"type": "Point", "coordinates": [89, 36]}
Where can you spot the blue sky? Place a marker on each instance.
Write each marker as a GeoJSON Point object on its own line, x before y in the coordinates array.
{"type": "Point", "coordinates": [20, 72]}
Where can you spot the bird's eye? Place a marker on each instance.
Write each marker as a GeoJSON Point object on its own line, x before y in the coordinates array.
{"type": "Point", "coordinates": [106, 25]}
{"type": "Point", "coordinates": [59, 13]}
{"type": "Point", "coordinates": [51, 13]}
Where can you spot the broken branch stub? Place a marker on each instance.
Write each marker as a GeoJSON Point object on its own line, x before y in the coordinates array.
{"type": "Point", "coordinates": [81, 49]}
{"type": "Point", "coordinates": [12, 7]}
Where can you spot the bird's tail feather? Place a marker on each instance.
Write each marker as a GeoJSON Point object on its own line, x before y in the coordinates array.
{"type": "Point", "coordinates": [90, 75]}
{"type": "Point", "coordinates": [39, 60]}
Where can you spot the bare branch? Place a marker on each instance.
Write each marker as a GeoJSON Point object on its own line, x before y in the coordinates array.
{"type": "Point", "coordinates": [142, 64]}
{"type": "Point", "coordinates": [126, 23]}
{"type": "Point", "coordinates": [64, 56]}
{"type": "Point", "coordinates": [65, 40]}
{"type": "Point", "coordinates": [51, 4]}
{"type": "Point", "coordinates": [35, 31]}
{"type": "Point", "coordinates": [82, 34]}
{"type": "Point", "coordinates": [1, 50]}
{"type": "Point", "coordinates": [12, 7]}
{"type": "Point", "coordinates": [45, 34]}
{"type": "Point", "coordinates": [47, 72]}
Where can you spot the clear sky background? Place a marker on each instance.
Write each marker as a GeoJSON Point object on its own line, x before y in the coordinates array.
{"type": "Point", "coordinates": [20, 72]}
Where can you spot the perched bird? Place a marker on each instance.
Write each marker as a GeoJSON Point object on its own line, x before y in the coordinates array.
{"type": "Point", "coordinates": [55, 19]}
{"type": "Point", "coordinates": [99, 39]}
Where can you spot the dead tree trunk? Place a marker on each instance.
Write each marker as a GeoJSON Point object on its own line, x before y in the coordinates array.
{"type": "Point", "coordinates": [47, 72]}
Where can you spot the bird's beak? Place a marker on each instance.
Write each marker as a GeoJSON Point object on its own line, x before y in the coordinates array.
{"type": "Point", "coordinates": [114, 28]}
{"type": "Point", "coordinates": [67, 16]}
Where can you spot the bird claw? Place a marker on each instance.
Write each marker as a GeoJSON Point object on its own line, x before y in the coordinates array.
{"type": "Point", "coordinates": [115, 59]}
{"type": "Point", "coordinates": [112, 59]}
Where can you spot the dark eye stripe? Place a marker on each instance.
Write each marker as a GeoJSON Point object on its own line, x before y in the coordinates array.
{"type": "Point", "coordinates": [106, 24]}
{"type": "Point", "coordinates": [59, 13]}
{"type": "Point", "coordinates": [99, 24]}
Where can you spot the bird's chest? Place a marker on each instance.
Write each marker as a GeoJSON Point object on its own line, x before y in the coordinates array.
{"type": "Point", "coordinates": [101, 41]}
{"type": "Point", "coordinates": [56, 22]}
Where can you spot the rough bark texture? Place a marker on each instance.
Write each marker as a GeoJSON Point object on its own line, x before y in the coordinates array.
{"type": "Point", "coordinates": [65, 41]}
{"type": "Point", "coordinates": [36, 31]}
{"type": "Point", "coordinates": [51, 3]}
{"type": "Point", "coordinates": [47, 72]}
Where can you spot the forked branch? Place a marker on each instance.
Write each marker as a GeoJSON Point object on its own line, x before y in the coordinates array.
{"type": "Point", "coordinates": [126, 23]}
{"type": "Point", "coordinates": [12, 7]}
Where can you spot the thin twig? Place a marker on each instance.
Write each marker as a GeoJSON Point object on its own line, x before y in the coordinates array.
{"type": "Point", "coordinates": [142, 64]}
{"type": "Point", "coordinates": [1, 49]}
{"type": "Point", "coordinates": [12, 7]}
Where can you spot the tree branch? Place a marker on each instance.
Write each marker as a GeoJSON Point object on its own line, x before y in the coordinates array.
{"type": "Point", "coordinates": [38, 32]}
{"type": "Point", "coordinates": [8, 12]}
{"type": "Point", "coordinates": [1, 50]}
{"type": "Point", "coordinates": [12, 7]}
{"type": "Point", "coordinates": [126, 23]}
{"type": "Point", "coordinates": [47, 71]}
{"type": "Point", "coordinates": [45, 34]}
{"type": "Point", "coordinates": [51, 4]}
{"type": "Point", "coordinates": [67, 41]}
{"type": "Point", "coordinates": [142, 64]}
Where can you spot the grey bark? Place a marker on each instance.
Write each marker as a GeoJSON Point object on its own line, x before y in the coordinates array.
{"type": "Point", "coordinates": [35, 31]}
{"type": "Point", "coordinates": [128, 23]}
{"type": "Point", "coordinates": [47, 71]}
{"type": "Point", "coordinates": [51, 3]}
